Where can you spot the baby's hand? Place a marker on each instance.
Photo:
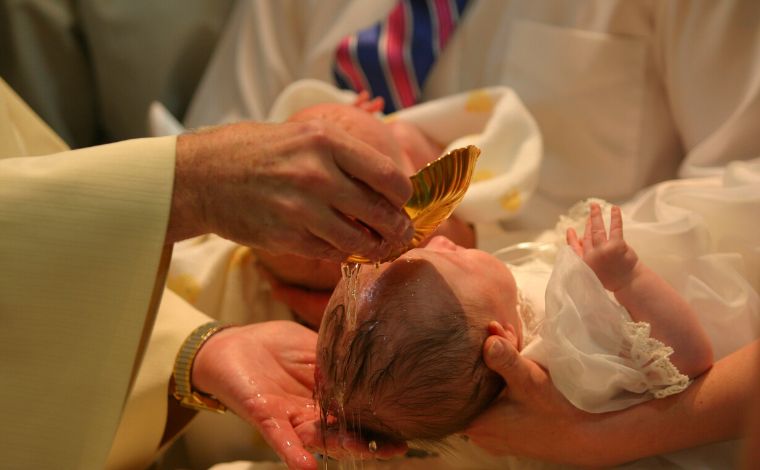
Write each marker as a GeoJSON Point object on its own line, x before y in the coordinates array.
{"type": "Point", "coordinates": [611, 259]}
{"type": "Point", "coordinates": [374, 105]}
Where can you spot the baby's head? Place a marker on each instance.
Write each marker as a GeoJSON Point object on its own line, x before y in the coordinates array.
{"type": "Point", "coordinates": [409, 365]}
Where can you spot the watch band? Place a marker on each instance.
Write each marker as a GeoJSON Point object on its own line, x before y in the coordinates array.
{"type": "Point", "coordinates": [183, 366]}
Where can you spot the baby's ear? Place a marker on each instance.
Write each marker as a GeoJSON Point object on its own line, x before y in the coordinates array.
{"type": "Point", "coordinates": [506, 331]}
{"type": "Point", "coordinates": [512, 336]}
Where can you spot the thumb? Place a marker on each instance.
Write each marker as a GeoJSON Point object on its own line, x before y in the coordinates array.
{"type": "Point", "coordinates": [502, 357]}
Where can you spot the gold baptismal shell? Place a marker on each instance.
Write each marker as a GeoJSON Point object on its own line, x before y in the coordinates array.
{"type": "Point", "coordinates": [438, 189]}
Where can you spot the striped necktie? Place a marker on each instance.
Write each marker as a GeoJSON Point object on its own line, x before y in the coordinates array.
{"type": "Point", "coordinates": [392, 59]}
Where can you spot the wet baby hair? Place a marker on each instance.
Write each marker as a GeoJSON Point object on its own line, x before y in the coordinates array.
{"type": "Point", "coordinates": [411, 367]}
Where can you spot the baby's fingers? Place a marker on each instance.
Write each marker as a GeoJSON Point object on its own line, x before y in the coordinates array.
{"type": "Point", "coordinates": [364, 102]}
{"type": "Point", "coordinates": [573, 242]}
{"type": "Point", "coordinates": [361, 98]}
{"type": "Point", "coordinates": [616, 224]}
{"type": "Point", "coordinates": [598, 232]}
{"type": "Point", "coordinates": [587, 244]}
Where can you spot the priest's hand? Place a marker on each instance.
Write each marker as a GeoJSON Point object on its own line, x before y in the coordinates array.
{"type": "Point", "coordinates": [306, 188]}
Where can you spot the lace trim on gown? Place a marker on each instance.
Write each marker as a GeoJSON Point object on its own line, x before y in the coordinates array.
{"type": "Point", "coordinates": [527, 313]}
{"type": "Point", "coordinates": [653, 359]}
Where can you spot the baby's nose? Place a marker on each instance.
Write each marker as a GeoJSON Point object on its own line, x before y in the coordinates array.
{"type": "Point", "coordinates": [442, 243]}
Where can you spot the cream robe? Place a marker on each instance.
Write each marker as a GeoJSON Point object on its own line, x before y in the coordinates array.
{"type": "Point", "coordinates": [81, 240]}
{"type": "Point", "coordinates": [625, 93]}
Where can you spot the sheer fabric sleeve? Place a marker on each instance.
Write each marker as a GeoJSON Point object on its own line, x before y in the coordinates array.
{"type": "Point", "coordinates": [596, 355]}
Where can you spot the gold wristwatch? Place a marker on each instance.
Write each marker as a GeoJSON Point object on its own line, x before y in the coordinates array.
{"type": "Point", "coordinates": [183, 366]}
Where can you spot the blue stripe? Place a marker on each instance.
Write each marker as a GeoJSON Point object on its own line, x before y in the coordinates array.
{"type": "Point", "coordinates": [461, 5]}
{"type": "Point", "coordinates": [368, 54]}
{"type": "Point", "coordinates": [422, 53]}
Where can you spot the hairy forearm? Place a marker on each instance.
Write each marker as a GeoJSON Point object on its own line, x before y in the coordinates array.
{"type": "Point", "coordinates": [712, 409]}
{"type": "Point", "coordinates": [649, 298]}
{"type": "Point", "coordinates": [184, 220]}
{"type": "Point", "coordinates": [196, 173]}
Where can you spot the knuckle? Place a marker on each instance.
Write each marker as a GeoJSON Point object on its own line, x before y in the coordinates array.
{"type": "Point", "coordinates": [380, 211]}
{"type": "Point", "coordinates": [613, 250]}
{"type": "Point", "coordinates": [269, 425]}
{"type": "Point", "coordinates": [309, 173]}
{"type": "Point", "coordinates": [387, 169]}
{"type": "Point", "coordinates": [286, 207]}
{"type": "Point", "coordinates": [317, 132]}
{"type": "Point", "coordinates": [252, 410]}
{"type": "Point", "coordinates": [351, 241]}
{"type": "Point", "coordinates": [619, 248]}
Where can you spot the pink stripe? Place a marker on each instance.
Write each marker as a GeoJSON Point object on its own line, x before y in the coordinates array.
{"type": "Point", "coordinates": [445, 22]}
{"type": "Point", "coordinates": [346, 64]}
{"type": "Point", "coordinates": [395, 51]}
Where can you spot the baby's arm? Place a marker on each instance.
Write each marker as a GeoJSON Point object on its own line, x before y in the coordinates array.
{"type": "Point", "coordinates": [645, 295]}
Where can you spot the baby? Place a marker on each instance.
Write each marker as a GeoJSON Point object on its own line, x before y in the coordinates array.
{"type": "Point", "coordinates": [405, 362]}
{"type": "Point", "coordinates": [407, 146]}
